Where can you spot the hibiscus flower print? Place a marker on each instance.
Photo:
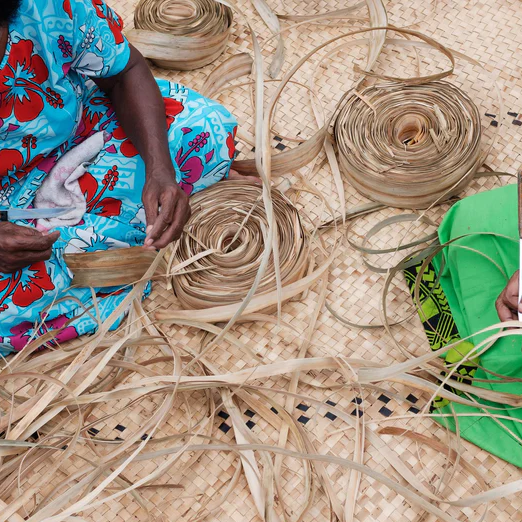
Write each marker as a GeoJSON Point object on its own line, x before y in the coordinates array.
{"type": "Point", "coordinates": [98, 108]}
{"type": "Point", "coordinates": [5, 194]}
{"type": "Point", "coordinates": [113, 20]}
{"type": "Point", "coordinates": [172, 109]}
{"type": "Point", "coordinates": [98, 202]}
{"type": "Point", "coordinates": [87, 240]}
{"type": "Point", "coordinates": [13, 166]}
{"type": "Point", "coordinates": [139, 220]}
{"type": "Point", "coordinates": [21, 89]}
{"type": "Point", "coordinates": [190, 165]}
{"type": "Point", "coordinates": [25, 332]}
{"type": "Point", "coordinates": [26, 286]}
{"type": "Point", "coordinates": [11, 160]}
{"type": "Point", "coordinates": [126, 147]}
{"type": "Point", "coordinates": [89, 64]}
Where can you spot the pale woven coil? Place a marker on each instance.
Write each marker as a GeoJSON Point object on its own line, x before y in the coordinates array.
{"type": "Point", "coordinates": [409, 146]}
{"type": "Point", "coordinates": [181, 34]}
{"type": "Point", "coordinates": [230, 219]}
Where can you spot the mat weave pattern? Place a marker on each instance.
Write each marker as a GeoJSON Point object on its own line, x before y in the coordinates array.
{"type": "Point", "coordinates": [487, 31]}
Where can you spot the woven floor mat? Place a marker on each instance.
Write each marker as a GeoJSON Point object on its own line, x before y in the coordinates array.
{"type": "Point", "coordinates": [486, 31]}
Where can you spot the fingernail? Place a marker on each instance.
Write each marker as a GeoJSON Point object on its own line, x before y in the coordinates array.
{"type": "Point", "coordinates": [148, 242]}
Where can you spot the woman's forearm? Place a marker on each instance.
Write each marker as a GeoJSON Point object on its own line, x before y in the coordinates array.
{"type": "Point", "coordinates": [140, 109]}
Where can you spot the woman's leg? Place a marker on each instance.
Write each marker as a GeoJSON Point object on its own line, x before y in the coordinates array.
{"type": "Point", "coordinates": [201, 136]}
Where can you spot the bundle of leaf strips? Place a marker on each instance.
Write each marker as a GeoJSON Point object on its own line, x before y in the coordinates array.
{"type": "Point", "coordinates": [226, 236]}
{"type": "Point", "coordinates": [181, 34]}
{"type": "Point", "coordinates": [409, 146]}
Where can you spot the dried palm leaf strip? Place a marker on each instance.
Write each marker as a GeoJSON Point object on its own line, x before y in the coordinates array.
{"type": "Point", "coordinates": [229, 219]}
{"type": "Point", "coordinates": [272, 22]}
{"type": "Point", "coordinates": [52, 391]}
{"type": "Point", "coordinates": [109, 268]}
{"type": "Point", "coordinates": [437, 446]}
{"type": "Point", "coordinates": [11, 518]}
{"type": "Point", "coordinates": [294, 159]}
{"type": "Point", "coordinates": [290, 369]}
{"type": "Point", "coordinates": [288, 161]}
{"type": "Point", "coordinates": [409, 146]}
{"type": "Point", "coordinates": [231, 69]}
{"type": "Point", "coordinates": [181, 34]}
{"type": "Point", "coordinates": [340, 13]}
{"type": "Point", "coordinates": [327, 459]}
{"type": "Point", "coordinates": [378, 17]}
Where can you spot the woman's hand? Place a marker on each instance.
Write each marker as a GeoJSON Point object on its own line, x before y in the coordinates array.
{"type": "Point", "coordinates": [23, 246]}
{"type": "Point", "coordinates": [507, 303]}
{"type": "Point", "coordinates": [140, 108]}
{"type": "Point", "coordinates": [167, 208]}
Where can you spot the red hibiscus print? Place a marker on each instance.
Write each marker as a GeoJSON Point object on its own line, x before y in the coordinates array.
{"type": "Point", "coordinates": [25, 287]}
{"type": "Point", "coordinates": [11, 160]}
{"type": "Point", "coordinates": [98, 115]}
{"type": "Point", "coordinates": [67, 8]}
{"type": "Point", "coordinates": [113, 20]}
{"type": "Point", "coordinates": [24, 332]}
{"type": "Point", "coordinates": [29, 165]}
{"type": "Point", "coordinates": [126, 148]}
{"type": "Point", "coordinates": [87, 125]}
{"type": "Point", "coordinates": [96, 203]}
{"type": "Point", "coordinates": [11, 168]}
{"type": "Point", "coordinates": [230, 143]}
{"type": "Point", "coordinates": [172, 109]}
{"type": "Point", "coordinates": [21, 88]}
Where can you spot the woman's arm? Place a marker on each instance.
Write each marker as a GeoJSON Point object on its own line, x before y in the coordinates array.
{"type": "Point", "coordinates": [139, 107]}
{"type": "Point", "coordinates": [507, 303]}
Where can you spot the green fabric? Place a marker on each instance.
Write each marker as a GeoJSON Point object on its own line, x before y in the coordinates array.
{"type": "Point", "coordinates": [471, 284]}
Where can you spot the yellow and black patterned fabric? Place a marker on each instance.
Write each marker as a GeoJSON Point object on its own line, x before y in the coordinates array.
{"type": "Point", "coordinates": [439, 325]}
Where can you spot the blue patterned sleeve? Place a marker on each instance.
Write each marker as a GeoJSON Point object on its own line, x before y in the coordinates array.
{"type": "Point", "coordinates": [99, 48]}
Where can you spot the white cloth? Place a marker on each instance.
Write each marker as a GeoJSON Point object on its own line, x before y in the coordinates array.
{"type": "Point", "coordinates": [61, 188]}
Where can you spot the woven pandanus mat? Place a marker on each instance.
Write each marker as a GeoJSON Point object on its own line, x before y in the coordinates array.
{"type": "Point", "coordinates": [486, 31]}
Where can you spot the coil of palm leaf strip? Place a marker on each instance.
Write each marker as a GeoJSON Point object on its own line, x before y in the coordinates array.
{"type": "Point", "coordinates": [121, 266]}
{"type": "Point", "coordinates": [409, 146]}
{"type": "Point", "coordinates": [181, 34]}
{"type": "Point", "coordinates": [229, 222]}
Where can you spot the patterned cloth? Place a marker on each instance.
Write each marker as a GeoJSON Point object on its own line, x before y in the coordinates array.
{"type": "Point", "coordinates": [440, 327]}
{"type": "Point", "coordinates": [48, 104]}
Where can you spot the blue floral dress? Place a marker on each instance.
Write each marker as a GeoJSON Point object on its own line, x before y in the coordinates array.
{"type": "Point", "coordinates": [49, 104]}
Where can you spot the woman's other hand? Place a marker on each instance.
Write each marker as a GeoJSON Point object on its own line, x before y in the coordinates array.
{"type": "Point", "coordinates": [23, 246]}
{"type": "Point", "coordinates": [507, 303]}
{"type": "Point", "coordinates": [167, 208]}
